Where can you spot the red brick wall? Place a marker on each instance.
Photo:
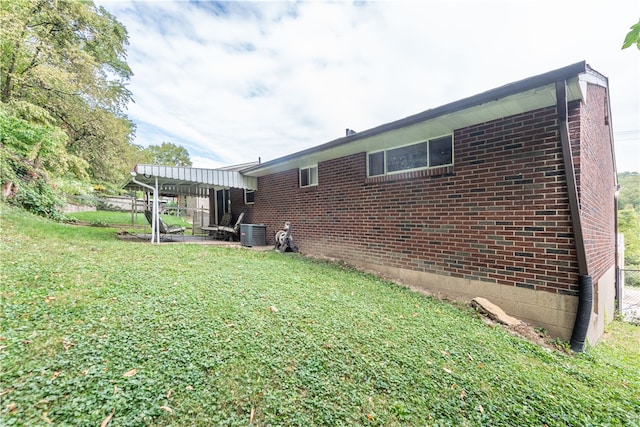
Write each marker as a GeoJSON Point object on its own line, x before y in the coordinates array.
{"type": "Point", "coordinates": [499, 215]}
{"type": "Point", "coordinates": [237, 206]}
{"type": "Point", "coordinates": [597, 185]}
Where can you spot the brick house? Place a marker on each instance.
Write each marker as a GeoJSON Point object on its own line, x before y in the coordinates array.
{"type": "Point", "coordinates": [509, 195]}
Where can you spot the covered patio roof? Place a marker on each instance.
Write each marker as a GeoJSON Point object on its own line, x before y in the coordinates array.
{"type": "Point", "coordinates": [173, 180]}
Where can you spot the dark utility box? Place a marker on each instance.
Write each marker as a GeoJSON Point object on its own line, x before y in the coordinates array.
{"type": "Point", "coordinates": [253, 235]}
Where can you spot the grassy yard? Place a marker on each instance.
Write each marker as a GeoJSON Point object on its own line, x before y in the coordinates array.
{"type": "Point", "coordinates": [94, 329]}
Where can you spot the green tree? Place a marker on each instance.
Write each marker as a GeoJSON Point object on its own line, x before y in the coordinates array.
{"type": "Point", "coordinates": [168, 154]}
{"type": "Point", "coordinates": [103, 140]}
{"type": "Point", "coordinates": [41, 145]}
{"type": "Point", "coordinates": [629, 225]}
{"type": "Point", "coordinates": [56, 50]}
{"type": "Point", "coordinates": [633, 37]}
{"type": "Point", "coordinates": [629, 216]}
{"type": "Point", "coordinates": [629, 190]}
{"type": "Point", "coordinates": [63, 63]}
{"type": "Point", "coordinates": [27, 151]}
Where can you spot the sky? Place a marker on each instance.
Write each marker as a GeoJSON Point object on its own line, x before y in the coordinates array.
{"type": "Point", "coordinates": [236, 81]}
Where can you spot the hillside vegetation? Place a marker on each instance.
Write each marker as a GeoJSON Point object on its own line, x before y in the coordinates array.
{"type": "Point", "coordinates": [629, 217]}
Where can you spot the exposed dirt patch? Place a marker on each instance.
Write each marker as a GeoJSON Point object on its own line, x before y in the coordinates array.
{"type": "Point", "coordinates": [125, 235]}
{"type": "Point", "coordinates": [529, 333]}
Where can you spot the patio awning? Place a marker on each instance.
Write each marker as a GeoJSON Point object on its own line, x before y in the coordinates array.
{"type": "Point", "coordinates": [174, 180]}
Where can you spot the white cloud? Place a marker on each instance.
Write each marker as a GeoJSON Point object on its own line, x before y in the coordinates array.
{"type": "Point", "coordinates": [232, 81]}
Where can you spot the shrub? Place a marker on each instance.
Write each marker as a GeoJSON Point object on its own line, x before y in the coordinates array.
{"type": "Point", "coordinates": [632, 275]}
{"type": "Point", "coordinates": [36, 195]}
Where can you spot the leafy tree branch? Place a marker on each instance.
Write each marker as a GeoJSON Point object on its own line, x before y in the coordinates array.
{"type": "Point", "coordinates": [633, 37]}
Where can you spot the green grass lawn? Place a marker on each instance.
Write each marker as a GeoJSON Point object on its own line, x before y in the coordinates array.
{"type": "Point", "coordinates": [190, 335]}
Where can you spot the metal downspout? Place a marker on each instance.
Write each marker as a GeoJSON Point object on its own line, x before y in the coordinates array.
{"type": "Point", "coordinates": [585, 285]}
{"type": "Point", "coordinates": [618, 267]}
{"type": "Point", "coordinates": [154, 213]}
{"type": "Point", "coordinates": [617, 255]}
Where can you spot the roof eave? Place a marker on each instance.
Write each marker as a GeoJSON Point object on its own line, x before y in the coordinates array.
{"type": "Point", "coordinates": [453, 107]}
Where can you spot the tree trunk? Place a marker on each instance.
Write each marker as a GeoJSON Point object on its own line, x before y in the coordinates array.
{"type": "Point", "coordinates": [6, 90]}
{"type": "Point", "coordinates": [8, 190]}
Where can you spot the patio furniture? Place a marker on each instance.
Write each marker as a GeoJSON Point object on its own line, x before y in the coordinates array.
{"type": "Point", "coordinates": [212, 230]}
{"type": "Point", "coordinates": [163, 228]}
{"type": "Point", "coordinates": [225, 231]}
{"type": "Point", "coordinates": [230, 233]}
{"type": "Point", "coordinates": [224, 222]}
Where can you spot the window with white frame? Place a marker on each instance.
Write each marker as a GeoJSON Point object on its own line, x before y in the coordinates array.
{"type": "Point", "coordinates": [309, 176]}
{"type": "Point", "coordinates": [432, 153]}
{"type": "Point", "coordinates": [249, 197]}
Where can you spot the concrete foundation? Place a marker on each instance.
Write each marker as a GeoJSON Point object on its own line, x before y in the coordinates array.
{"type": "Point", "coordinates": [554, 312]}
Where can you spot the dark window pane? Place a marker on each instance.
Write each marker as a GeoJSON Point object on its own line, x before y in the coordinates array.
{"type": "Point", "coordinates": [250, 197]}
{"type": "Point", "coordinates": [411, 157]}
{"type": "Point", "coordinates": [376, 164]}
{"type": "Point", "coordinates": [441, 151]}
{"type": "Point", "coordinates": [304, 177]}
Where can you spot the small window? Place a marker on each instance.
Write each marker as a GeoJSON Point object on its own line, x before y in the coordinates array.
{"type": "Point", "coordinates": [441, 151]}
{"type": "Point", "coordinates": [376, 163]}
{"type": "Point", "coordinates": [433, 153]}
{"type": "Point", "coordinates": [309, 176]}
{"type": "Point", "coordinates": [249, 197]}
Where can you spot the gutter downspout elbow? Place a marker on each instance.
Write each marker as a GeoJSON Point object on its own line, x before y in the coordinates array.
{"type": "Point", "coordinates": [583, 315]}
{"type": "Point", "coordinates": [585, 282]}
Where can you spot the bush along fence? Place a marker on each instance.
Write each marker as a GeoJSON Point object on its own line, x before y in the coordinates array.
{"type": "Point", "coordinates": [103, 203]}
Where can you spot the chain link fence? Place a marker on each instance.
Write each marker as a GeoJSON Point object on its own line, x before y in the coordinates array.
{"type": "Point", "coordinates": [630, 295]}
{"type": "Point", "coordinates": [196, 216]}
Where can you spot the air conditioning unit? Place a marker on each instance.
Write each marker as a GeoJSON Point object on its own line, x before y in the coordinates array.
{"type": "Point", "coordinates": [253, 235]}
